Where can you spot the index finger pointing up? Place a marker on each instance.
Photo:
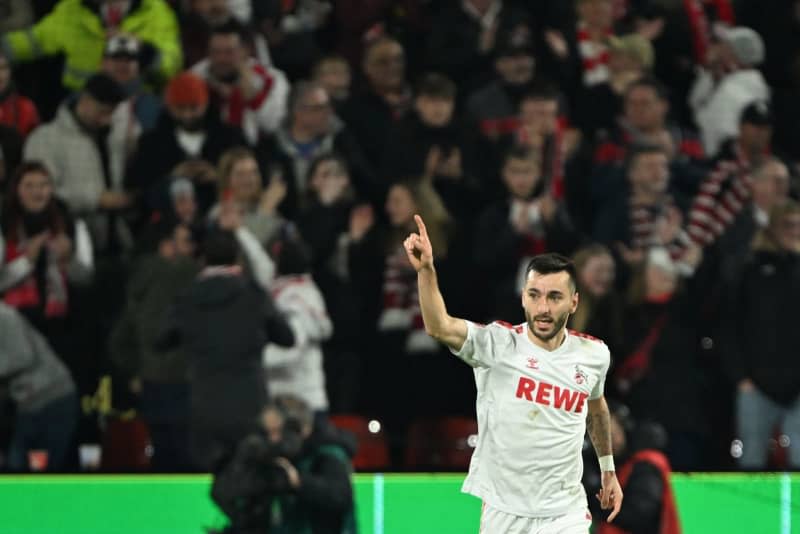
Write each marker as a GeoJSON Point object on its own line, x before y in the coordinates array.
{"type": "Point", "coordinates": [423, 232]}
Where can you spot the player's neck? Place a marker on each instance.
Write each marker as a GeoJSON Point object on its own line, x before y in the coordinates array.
{"type": "Point", "coordinates": [551, 344]}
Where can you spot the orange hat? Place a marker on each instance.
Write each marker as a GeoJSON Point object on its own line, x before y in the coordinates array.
{"type": "Point", "coordinates": [186, 89]}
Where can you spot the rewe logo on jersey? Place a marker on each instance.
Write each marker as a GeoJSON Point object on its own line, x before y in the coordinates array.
{"type": "Point", "coordinates": [550, 395]}
{"type": "Point", "coordinates": [533, 363]}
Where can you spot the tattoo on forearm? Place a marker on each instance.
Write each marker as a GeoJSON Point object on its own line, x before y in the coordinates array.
{"type": "Point", "coordinates": [599, 427]}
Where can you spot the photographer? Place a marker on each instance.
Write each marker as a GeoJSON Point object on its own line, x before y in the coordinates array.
{"type": "Point", "coordinates": [288, 477]}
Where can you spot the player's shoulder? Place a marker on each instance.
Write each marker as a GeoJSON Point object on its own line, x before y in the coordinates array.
{"type": "Point", "coordinates": [501, 330]}
{"type": "Point", "coordinates": [590, 343]}
{"type": "Point", "coordinates": [510, 328]}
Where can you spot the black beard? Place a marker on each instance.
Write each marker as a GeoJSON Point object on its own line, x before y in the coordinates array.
{"type": "Point", "coordinates": [558, 326]}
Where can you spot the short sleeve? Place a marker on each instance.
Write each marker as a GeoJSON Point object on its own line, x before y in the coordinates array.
{"type": "Point", "coordinates": [599, 387]}
{"type": "Point", "coordinates": [484, 344]}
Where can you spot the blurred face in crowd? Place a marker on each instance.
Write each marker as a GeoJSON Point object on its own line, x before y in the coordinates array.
{"type": "Point", "coordinates": [787, 231]}
{"type": "Point", "coordinates": [5, 73]}
{"type": "Point", "coordinates": [334, 76]}
{"type": "Point", "coordinates": [597, 14]}
{"type": "Point", "coordinates": [620, 61]}
{"type": "Point", "coordinates": [385, 66]}
{"type": "Point", "coordinates": [659, 281]}
{"type": "Point", "coordinates": [649, 173]}
{"type": "Point", "coordinates": [644, 109]}
{"type": "Point", "coordinates": [548, 301]}
{"type": "Point", "coordinates": [225, 53]}
{"type": "Point", "coordinates": [770, 185]}
{"type": "Point", "coordinates": [313, 112]}
{"type": "Point", "coordinates": [272, 422]}
{"type": "Point", "coordinates": [214, 12]}
{"type": "Point", "coordinates": [35, 191]}
{"type": "Point", "coordinates": [180, 245]}
{"type": "Point", "coordinates": [93, 114]}
{"type": "Point", "coordinates": [539, 115]}
{"type": "Point", "coordinates": [185, 207]}
{"type": "Point", "coordinates": [435, 111]}
{"type": "Point", "coordinates": [516, 69]}
{"type": "Point", "coordinates": [188, 116]}
{"type": "Point", "coordinates": [521, 176]}
{"type": "Point", "coordinates": [755, 138]}
{"type": "Point", "coordinates": [329, 180]}
{"type": "Point", "coordinates": [245, 180]}
{"type": "Point", "coordinates": [597, 275]}
{"type": "Point", "coordinates": [400, 206]}
{"type": "Point", "coordinates": [122, 69]}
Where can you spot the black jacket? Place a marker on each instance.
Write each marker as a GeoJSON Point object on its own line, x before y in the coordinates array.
{"type": "Point", "coordinates": [759, 328]}
{"type": "Point", "coordinates": [159, 153]}
{"type": "Point", "coordinates": [224, 322]}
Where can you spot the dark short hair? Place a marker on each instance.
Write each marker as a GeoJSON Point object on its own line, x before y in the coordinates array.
{"type": "Point", "coordinates": [649, 82]}
{"type": "Point", "coordinates": [232, 27]}
{"type": "Point", "coordinates": [435, 85]}
{"type": "Point", "coordinates": [220, 248]}
{"type": "Point", "coordinates": [518, 152]}
{"type": "Point", "coordinates": [290, 251]}
{"type": "Point", "coordinates": [542, 91]}
{"type": "Point", "coordinates": [641, 149]}
{"type": "Point", "coordinates": [552, 263]}
{"type": "Point", "coordinates": [104, 89]}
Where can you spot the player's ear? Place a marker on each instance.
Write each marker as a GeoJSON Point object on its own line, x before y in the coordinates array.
{"type": "Point", "coordinates": [575, 300]}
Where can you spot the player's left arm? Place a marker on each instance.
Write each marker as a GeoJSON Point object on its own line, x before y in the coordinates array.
{"type": "Point", "coordinates": [598, 424]}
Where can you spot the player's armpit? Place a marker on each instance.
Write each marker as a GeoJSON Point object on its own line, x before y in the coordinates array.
{"type": "Point", "coordinates": [452, 331]}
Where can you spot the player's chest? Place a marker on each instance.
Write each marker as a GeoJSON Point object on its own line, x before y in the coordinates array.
{"type": "Point", "coordinates": [559, 383]}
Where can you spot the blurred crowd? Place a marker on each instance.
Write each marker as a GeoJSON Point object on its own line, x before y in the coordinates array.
{"type": "Point", "coordinates": [204, 201]}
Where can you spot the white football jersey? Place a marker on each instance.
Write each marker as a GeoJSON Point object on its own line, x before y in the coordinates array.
{"type": "Point", "coordinates": [531, 407]}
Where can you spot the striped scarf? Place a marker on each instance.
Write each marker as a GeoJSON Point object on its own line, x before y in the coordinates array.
{"type": "Point", "coordinates": [699, 24]}
{"type": "Point", "coordinates": [644, 220]}
{"type": "Point", "coordinates": [594, 57]}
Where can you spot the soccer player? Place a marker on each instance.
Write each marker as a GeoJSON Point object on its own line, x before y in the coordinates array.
{"type": "Point", "coordinates": [539, 387]}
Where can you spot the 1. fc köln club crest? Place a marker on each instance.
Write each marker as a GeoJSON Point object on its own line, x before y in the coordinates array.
{"type": "Point", "coordinates": [580, 376]}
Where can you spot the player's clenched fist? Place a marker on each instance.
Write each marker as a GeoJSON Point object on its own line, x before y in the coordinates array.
{"type": "Point", "coordinates": [418, 247]}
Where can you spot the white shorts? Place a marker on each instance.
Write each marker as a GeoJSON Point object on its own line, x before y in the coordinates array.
{"type": "Point", "coordinates": [494, 521]}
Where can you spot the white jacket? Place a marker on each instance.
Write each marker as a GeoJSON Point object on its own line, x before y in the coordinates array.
{"type": "Point", "coordinates": [75, 164]}
{"type": "Point", "coordinates": [298, 370]}
{"type": "Point", "coordinates": [717, 107]}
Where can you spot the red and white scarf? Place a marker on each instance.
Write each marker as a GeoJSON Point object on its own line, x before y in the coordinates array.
{"type": "Point", "coordinates": [26, 294]}
{"type": "Point", "coordinates": [699, 24]}
{"type": "Point", "coordinates": [594, 57]}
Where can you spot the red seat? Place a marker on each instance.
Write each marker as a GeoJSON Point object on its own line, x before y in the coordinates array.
{"type": "Point", "coordinates": [373, 448]}
{"type": "Point", "coordinates": [126, 446]}
{"type": "Point", "coordinates": [444, 443]}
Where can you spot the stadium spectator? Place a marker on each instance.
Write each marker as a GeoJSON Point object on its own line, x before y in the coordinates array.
{"type": "Point", "coordinates": [298, 370]}
{"type": "Point", "coordinates": [11, 144]}
{"type": "Point", "coordinates": [333, 74]}
{"type": "Point", "coordinates": [630, 58]}
{"type": "Point", "coordinates": [196, 23]}
{"type": "Point", "coordinates": [600, 311]}
{"type": "Point", "coordinates": [121, 62]}
{"type": "Point", "coordinates": [658, 371]}
{"type": "Point", "coordinates": [727, 84]}
{"type": "Point", "coordinates": [241, 183]}
{"type": "Point", "coordinates": [187, 141]}
{"type": "Point", "coordinates": [432, 142]}
{"type": "Point", "coordinates": [494, 106]}
{"type": "Point", "coordinates": [527, 221]}
{"type": "Point", "coordinates": [312, 129]}
{"type": "Point", "coordinates": [86, 159]}
{"type": "Point", "coordinates": [42, 390]}
{"type": "Point", "coordinates": [337, 229]}
{"type": "Point", "coordinates": [727, 189]}
{"type": "Point", "coordinates": [16, 111]}
{"type": "Point", "coordinates": [758, 341]}
{"type": "Point", "coordinates": [382, 101]}
{"type": "Point", "coordinates": [463, 44]}
{"type": "Point", "coordinates": [78, 29]}
{"type": "Point", "coordinates": [223, 320]}
{"type": "Point", "coordinates": [45, 253]}
{"type": "Point", "coordinates": [161, 378]}
{"type": "Point", "coordinates": [249, 95]}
